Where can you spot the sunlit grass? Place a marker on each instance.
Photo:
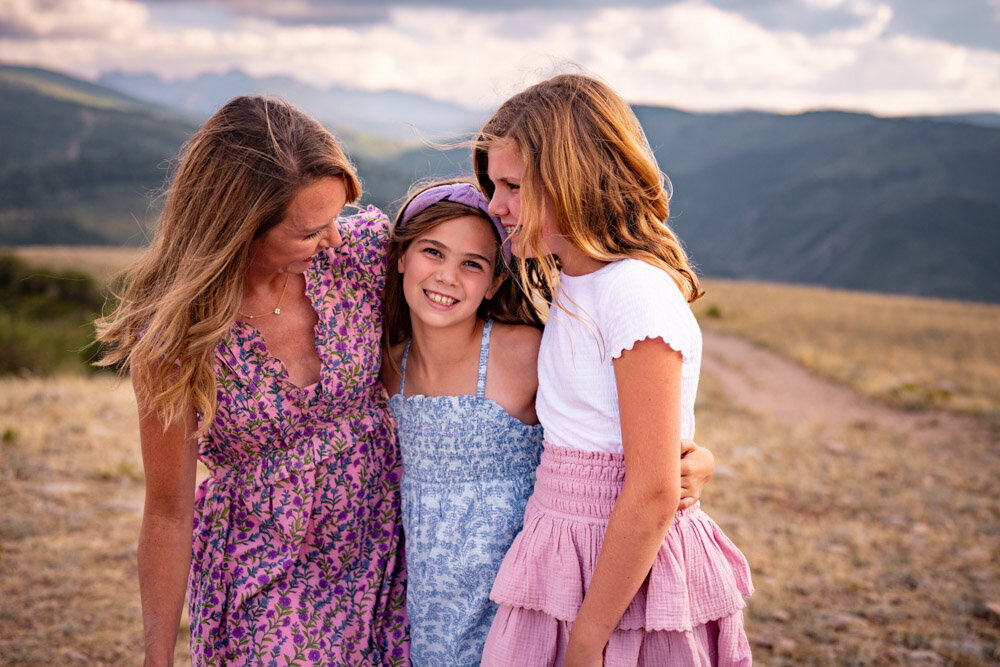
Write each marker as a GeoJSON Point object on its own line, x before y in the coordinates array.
{"type": "Point", "coordinates": [906, 351]}
{"type": "Point", "coordinates": [868, 545]}
{"type": "Point", "coordinates": [102, 262]}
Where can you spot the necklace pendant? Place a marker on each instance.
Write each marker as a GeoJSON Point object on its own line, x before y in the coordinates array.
{"type": "Point", "coordinates": [277, 311]}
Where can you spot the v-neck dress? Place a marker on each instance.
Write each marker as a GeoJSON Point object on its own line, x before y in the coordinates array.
{"type": "Point", "coordinates": [297, 554]}
{"type": "Point", "coordinates": [469, 469]}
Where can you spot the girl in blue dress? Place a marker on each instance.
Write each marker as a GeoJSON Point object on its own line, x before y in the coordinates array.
{"type": "Point", "coordinates": [460, 346]}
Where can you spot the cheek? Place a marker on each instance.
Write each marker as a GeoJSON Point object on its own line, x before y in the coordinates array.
{"type": "Point", "coordinates": [518, 246]}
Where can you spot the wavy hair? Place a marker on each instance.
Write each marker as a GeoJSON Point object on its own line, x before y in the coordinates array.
{"type": "Point", "coordinates": [585, 154]}
{"type": "Point", "coordinates": [511, 304]}
{"type": "Point", "coordinates": [234, 181]}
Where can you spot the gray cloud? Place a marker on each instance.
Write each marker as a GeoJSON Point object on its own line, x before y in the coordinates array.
{"type": "Point", "coordinates": [792, 15]}
{"type": "Point", "coordinates": [973, 23]}
{"type": "Point", "coordinates": [337, 12]}
{"type": "Point", "coordinates": [700, 54]}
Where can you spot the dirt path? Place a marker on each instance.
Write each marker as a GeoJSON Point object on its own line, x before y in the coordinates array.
{"type": "Point", "coordinates": [769, 385]}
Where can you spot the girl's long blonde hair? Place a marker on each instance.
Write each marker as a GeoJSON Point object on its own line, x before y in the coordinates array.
{"type": "Point", "coordinates": [235, 180]}
{"type": "Point", "coordinates": [584, 152]}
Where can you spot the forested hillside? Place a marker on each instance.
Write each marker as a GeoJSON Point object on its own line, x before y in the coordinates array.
{"type": "Point", "coordinates": [831, 198]}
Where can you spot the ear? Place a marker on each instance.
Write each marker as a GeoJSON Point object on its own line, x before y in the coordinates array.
{"type": "Point", "coordinates": [495, 285]}
{"type": "Point", "coordinates": [401, 264]}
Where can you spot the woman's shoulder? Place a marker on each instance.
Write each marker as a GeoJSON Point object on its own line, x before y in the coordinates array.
{"type": "Point", "coordinates": [365, 228]}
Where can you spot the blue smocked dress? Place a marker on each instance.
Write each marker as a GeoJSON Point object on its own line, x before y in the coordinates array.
{"type": "Point", "coordinates": [468, 469]}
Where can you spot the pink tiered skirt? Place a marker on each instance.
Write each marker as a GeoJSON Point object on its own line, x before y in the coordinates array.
{"type": "Point", "coordinates": [688, 611]}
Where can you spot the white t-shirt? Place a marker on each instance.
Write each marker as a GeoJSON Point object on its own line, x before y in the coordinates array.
{"type": "Point", "coordinates": [596, 317]}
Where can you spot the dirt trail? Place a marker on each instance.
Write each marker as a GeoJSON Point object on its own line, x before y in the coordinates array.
{"type": "Point", "coordinates": [767, 384]}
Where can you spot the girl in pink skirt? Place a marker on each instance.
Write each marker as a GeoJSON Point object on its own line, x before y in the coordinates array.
{"type": "Point", "coordinates": [606, 570]}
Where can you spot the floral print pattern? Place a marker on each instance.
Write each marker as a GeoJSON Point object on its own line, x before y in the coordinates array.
{"type": "Point", "coordinates": [297, 554]}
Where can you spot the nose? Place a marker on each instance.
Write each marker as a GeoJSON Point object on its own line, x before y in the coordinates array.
{"type": "Point", "coordinates": [496, 206]}
{"type": "Point", "coordinates": [332, 237]}
{"type": "Point", "coordinates": [445, 274]}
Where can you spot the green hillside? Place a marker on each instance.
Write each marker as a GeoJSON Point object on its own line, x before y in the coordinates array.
{"type": "Point", "coordinates": [830, 198]}
{"type": "Point", "coordinates": [80, 164]}
{"type": "Point", "coordinates": [845, 200]}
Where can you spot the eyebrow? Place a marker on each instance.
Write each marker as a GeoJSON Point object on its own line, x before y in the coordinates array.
{"type": "Point", "coordinates": [438, 244]}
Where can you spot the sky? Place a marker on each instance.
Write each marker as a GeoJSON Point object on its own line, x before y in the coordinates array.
{"type": "Point", "coordinates": [887, 57]}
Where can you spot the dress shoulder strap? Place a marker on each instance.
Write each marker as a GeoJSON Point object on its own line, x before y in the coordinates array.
{"type": "Point", "coordinates": [484, 353]}
{"type": "Point", "coordinates": [402, 368]}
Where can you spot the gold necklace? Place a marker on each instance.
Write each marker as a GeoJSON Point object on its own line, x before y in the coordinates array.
{"type": "Point", "coordinates": [277, 308]}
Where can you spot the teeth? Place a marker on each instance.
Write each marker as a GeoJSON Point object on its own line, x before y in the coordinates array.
{"type": "Point", "coordinates": [440, 298]}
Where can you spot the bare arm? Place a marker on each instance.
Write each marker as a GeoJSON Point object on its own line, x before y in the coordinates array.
{"type": "Point", "coordinates": [169, 460]}
{"type": "Point", "coordinates": [649, 379]}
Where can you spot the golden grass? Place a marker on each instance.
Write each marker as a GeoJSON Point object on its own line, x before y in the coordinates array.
{"type": "Point", "coordinates": [870, 542]}
{"type": "Point", "coordinates": [867, 545]}
{"type": "Point", "coordinates": [102, 262]}
{"type": "Point", "coordinates": [906, 351]}
{"type": "Point", "coordinates": [71, 488]}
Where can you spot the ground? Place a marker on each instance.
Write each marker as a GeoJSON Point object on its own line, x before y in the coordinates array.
{"type": "Point", "coordinates": [873, 534]}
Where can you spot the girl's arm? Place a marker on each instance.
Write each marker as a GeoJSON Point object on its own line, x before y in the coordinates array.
{"type": "Point", "coordinates": [648, 378]}
{"type": "Point", "coordinates": [169, 460]}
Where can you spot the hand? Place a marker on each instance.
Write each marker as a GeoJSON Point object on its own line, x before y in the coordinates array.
{"type": "Point", "coordinates": [697, 467]}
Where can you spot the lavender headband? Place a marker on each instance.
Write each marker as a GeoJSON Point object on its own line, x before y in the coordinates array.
{"type": "Point", "coordinates": [460, 193]}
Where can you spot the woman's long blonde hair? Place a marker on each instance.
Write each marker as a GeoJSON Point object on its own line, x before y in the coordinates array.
{"type": "Point", "coordinates": [235, 180]}
{"type": "Point", "coordinates": [584, 151]}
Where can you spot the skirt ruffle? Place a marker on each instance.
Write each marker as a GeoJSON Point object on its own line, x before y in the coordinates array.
{"type": "Point", "coordinates": [698, 575]}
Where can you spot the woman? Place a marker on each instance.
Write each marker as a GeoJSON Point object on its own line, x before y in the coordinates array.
{"type": "Point", "coordinates": [251, 327]}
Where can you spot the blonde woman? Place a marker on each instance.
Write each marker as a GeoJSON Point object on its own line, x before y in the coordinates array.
{"type": "Point", "coordinates": [251, 328]}
{"type": "Point", "coordinates": [607, 569]}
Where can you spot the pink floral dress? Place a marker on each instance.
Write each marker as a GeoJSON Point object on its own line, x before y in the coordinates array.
{"type": "Point", "coordinates": [298, 549]}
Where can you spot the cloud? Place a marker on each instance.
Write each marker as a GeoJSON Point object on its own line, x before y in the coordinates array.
{"type": "Point", "coordinates": [69, 19]}
{"type": "Point", "coordinates": [688, 53]}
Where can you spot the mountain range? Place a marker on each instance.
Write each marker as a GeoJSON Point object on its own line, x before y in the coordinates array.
{"type": "Point", "coordinates": [902, 205]}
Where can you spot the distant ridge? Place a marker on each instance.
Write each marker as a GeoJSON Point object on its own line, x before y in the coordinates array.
{"type": "Point", "coordinates": [80, 163]}
{"type": "Point", "coordinates": [69, 89]}
{"type": "Point", "coordinates": [389, 114]}
{"type": "Point", "coordinates": [901, 205]}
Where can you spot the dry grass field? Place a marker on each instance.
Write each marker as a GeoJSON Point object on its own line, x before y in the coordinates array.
{"type": "Point", "coordinates": [872, 527]}
{"type": "Point", "coordinates": [906, 351]}
{"type": "Point", "coordinates": [102, 262]}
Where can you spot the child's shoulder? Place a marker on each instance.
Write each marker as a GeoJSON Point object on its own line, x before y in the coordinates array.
{"type": "Point", "coordinates": [639, 281]}
{"type": "Point", "coordinates": [516, 340]}
{"type": "Point", "coordinates": [513, 379]}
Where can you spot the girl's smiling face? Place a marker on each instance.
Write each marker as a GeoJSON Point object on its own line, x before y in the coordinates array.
{"type": "Point", "coordinates": [505, 168]}
{"type": "Point", "coordinates": [449, 270]}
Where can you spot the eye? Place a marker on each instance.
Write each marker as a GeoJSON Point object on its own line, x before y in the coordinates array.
{"type": "Point", "coordinates": [432, 251]}
{"type": "Point", "coordinates": [514, 187]}
{"type": "Point", "coordinates": [473, 264]}
{"type": "Point", "coordinates": [314, 234]}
